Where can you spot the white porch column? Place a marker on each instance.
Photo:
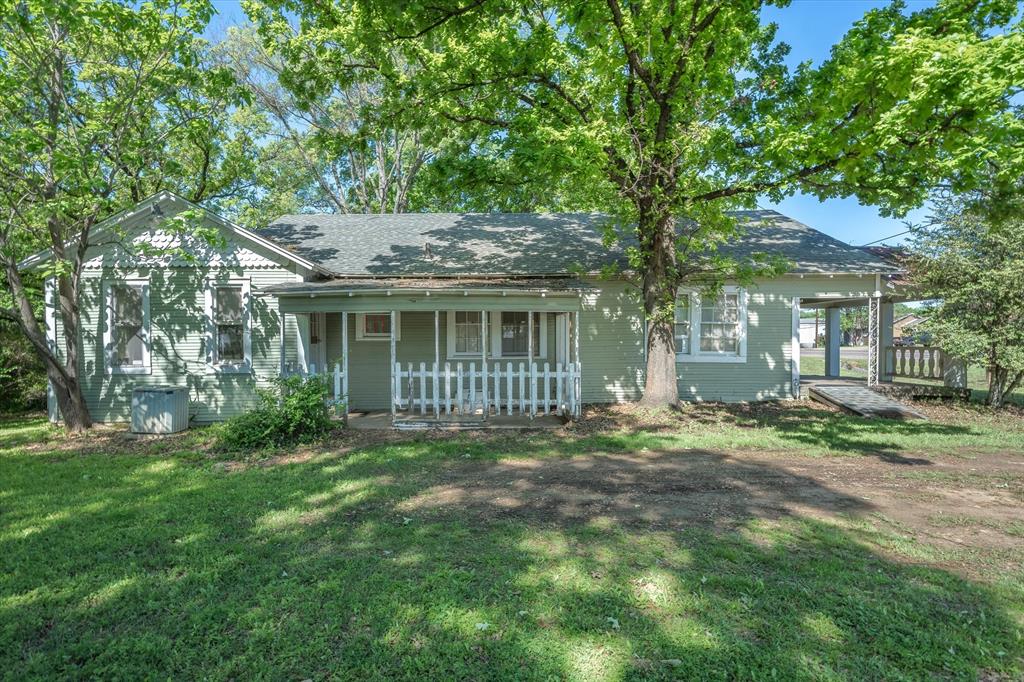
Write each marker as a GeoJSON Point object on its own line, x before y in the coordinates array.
{"type": "Point", "coordinates": [435, 385]}
{"type": "Point", "coordinates": [437, 338]}
{"type": "Point", "coordinates": [483, 360]}
{"type": "Point", "coordinates": [393, 359]}
{"type": "Point", "coordinates": [529, 364]}
{"type": "Point", "coordinates": [885, 341]}
{"type": "Point", "coordinates": [874, 318]}
{"type": "Point", "coordinates": [833, 336]}
{"type": "Point", "coordinates": [302, 347]}
{"type": "Point", "coordinates": [281, 342]}
{"type": "Point", "coordinates": [795, 345]}
{"type": "Point", "coordinates": [344, 359]}
{"type": "Point", "coordinates": [579, 365]}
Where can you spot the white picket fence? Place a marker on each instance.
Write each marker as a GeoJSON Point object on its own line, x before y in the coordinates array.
{"type": "Point", "coordinates": [498, 388]}
{"type": "Point", "coordinates": [337, 380]}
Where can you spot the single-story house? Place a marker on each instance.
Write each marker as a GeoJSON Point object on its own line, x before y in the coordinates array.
{"type": "Point", "coordinates": [434, 314]}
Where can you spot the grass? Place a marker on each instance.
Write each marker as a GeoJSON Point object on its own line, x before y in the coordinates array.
{"type": "Point", "coordinates": [161, 559]}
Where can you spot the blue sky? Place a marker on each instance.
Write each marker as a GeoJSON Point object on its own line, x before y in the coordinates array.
{"type": "Point", "coordinates": [810, 27]}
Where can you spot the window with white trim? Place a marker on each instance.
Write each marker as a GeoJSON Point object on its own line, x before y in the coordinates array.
{"type": "Point", "coordinates": [506, 336]}
{"type": "Point", "coordinates": [682, 324]}
{"type": "Point", "coordinates": [711, 330]}
{"type": "Point", "coordinates": [515, 334]}
{"type": "Point", "coordinates": [720, 325]}
{"type": "Point", "coordinates": [229, 324]}
{"type": "Point", "coordinates": [229, 316]}
{"type": "Point", "coordinates": [376, 326]}
{"type": "Point", "coordinates": [127, 334]}
{"type": "Point", "coordinates": [468, 332]}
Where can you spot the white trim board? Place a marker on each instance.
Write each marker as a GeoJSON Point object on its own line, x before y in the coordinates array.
{"type": "Point", "coordinates": [108, 327]}
{"type": "Point", "coordinates": [214, 366]}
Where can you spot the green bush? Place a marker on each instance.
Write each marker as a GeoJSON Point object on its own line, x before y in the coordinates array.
{"type": "Point", "coordinates": [22, 375]}
{"type": "Point", "coordinates": [292, 412]}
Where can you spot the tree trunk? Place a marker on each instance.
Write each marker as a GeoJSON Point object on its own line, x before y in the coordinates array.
{"type": "Point", "coordinates": [70, 401]}
{"type": "Point", "coordinates": [63, 375]}
{"type": "Point", "coordinates": [996, 386]}
{"type": "Point", "coordinates": [659, 293]}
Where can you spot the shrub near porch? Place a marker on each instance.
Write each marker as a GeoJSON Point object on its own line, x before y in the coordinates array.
{"type": "Point", "coordinates": [723, 543]}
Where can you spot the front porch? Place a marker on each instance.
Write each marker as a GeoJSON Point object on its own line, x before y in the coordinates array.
{"type": "Point", "coordinates": [447, 356]}
{"type": "Point", "coordinates": [897, 370]}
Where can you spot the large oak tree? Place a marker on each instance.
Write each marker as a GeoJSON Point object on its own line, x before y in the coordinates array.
{"type": "Point", "coordinates": [671, 113]}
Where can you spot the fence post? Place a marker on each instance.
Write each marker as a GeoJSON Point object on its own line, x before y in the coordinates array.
{"type": "Point", "coordinates": [337, 387]}
{"type": "Point", "coordinates": [522, 389]}
{"type": "Point", "coordinates": [472, 387]}
{"type": "Point", "coordinates": [571, 379]}
{"type": "Point", "coordinates": [559, 407]}
{"type": "Point", "coordinates": [547, 388]}
{"type": "Point", "coordinates": [533, 390]}
{"type": "Point", "coordinates": [497, 389]}
{"type": "Point", "coordinates": [508, 380]}
{"type": "Point", "coordinates": [412, 405]}
{"type": "Point", "coordinates": [435, 386]}
{"type": "Point", "coordinates": [423, 388]}
{"type": "Point", "coordinates": [448, 388]}
{"type": "Point", "coordinates": [458, 379]}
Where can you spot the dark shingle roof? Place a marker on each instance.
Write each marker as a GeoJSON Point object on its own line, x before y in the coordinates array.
{"type": "Point", "coordinates": [490, 244]}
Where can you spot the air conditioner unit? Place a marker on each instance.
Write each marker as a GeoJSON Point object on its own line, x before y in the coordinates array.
{"type": "Point", "coordinates": [159, 409]}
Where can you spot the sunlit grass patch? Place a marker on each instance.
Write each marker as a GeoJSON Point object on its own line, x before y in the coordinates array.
{"type": "Point", "coordinates": [159, 563]}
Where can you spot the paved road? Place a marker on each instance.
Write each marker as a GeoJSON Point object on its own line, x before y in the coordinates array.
{"type": "Point", "coordinates": [846, 352]}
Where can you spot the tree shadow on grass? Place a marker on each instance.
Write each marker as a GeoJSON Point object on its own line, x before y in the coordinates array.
{"type": "Point", "coordinates": [796, 424]}
{"type": "Point", "coordinates": [336, 567]}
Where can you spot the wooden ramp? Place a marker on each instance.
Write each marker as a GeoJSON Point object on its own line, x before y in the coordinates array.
{"type": "Point", "coordinates": [861, 400]}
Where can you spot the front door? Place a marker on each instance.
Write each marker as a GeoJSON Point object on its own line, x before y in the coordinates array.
{"type": "Point", "coordinates": [318, 341]}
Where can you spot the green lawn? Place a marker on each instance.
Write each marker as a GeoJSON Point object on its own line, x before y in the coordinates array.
{"type": "Point", "coordinates": [162, 559]}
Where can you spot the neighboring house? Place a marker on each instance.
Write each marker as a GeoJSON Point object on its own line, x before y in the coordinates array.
{"type": "Point", "coordinates": [903, 327]}
{"type": "Point", "coordinates": [380, 295]}
{"type": "Point", "coordinates": [810, 331]}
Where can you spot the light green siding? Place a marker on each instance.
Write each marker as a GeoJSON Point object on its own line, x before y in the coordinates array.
{"type": "Point", "coordinates": [179, 331]}
{"type": "Point", "coordinates": [611, 344]}
{"type": "Point", "coordinates": [612, 338]}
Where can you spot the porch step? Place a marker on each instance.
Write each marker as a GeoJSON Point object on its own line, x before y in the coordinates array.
{"type": "Point", "coordinates": [861, 400]}
{"type": "Point", "coordinates": [414, 424]}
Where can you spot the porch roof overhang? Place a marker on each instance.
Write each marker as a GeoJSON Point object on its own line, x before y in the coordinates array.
{"type": "Point", "coordinates": [364, 294]}
{"type": "Point", "coordinates": [895, 288]}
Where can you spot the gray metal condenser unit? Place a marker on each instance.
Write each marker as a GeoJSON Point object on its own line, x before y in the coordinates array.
{"type": "Point", "coordinates": [159, 409]}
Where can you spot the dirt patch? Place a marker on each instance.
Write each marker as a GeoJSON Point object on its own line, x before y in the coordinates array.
{"type": "Point", "coordinates": [722, 490]}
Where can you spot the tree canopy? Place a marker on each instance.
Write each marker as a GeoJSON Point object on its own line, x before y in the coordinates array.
{"type": "Point", "coordinates": [671, 114]}
{"type": "Point", "coordinates": [973, 264]}
{"type": "Point", "coordinates": [101, 103]}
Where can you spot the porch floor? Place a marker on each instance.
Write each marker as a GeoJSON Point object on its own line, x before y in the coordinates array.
{"type": "Point", "coordinates": [382, 420]}
{"type": "Point", "coordinates": [900, 388]}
